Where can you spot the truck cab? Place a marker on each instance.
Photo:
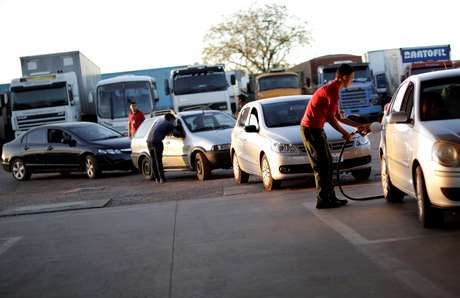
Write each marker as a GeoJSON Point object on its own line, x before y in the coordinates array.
{"type": "Point", "coordinates": [113, 96]}
{"type": "Point", "coordinates": [277, 83]}
{"type": "Point", "coordinates": [361, 97]}
{"type": "Point", "coordinates": [44, 99]}
{"type": "Point", "coordinates": [198, 86]}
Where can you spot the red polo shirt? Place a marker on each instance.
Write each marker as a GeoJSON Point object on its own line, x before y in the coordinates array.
{"type": "Point", "coordinates": [135, 120]}
{"type": "Point", "coordinates": [324, 101]}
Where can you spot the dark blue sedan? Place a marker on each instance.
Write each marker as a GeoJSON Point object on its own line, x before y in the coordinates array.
{"type": "Point", "coordinates": [65, 148]}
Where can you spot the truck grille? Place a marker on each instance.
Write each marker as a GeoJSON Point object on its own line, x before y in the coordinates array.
{"type": "Point", "coordinates": [350, 99]}
{"type": "Point", "coordinates": [28, 122]}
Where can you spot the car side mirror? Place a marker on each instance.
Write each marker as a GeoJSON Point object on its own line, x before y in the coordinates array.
{"type": "Point", "coordinates": [251, 129]}
{"type": "Point", "coordinates": [167, 89]}
{"type": "Point", "coordinates": [398, 117]}
{"type": "Point", "coordinates": [232, 80]}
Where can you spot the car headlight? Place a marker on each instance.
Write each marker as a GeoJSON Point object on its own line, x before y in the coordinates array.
{"type": "Point", "coordinates": [361, 141]}
{"type": "Point", "coordinates": [109, 151]}
{"type": "Point", "coordinates": [284, 148]}
{"type": "Point", "coordinates": [220, 147]}
{"type": "Point", "coordinates": [446, 154]}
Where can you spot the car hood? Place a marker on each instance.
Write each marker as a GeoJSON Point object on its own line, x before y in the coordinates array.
{"type": "Point", "coordinates": [115, 143]}
{"type": "Point", "coordinates": [291, 134]}
{"type": "Point", "coordinates": [215, 137]}
{"type": "Point", "coordinates": [446, 130]}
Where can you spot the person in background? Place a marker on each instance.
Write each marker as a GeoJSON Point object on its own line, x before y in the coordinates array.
{"type": "Point", "coordinates": [135, 119]}
{"type": "Point", "coordinates": [155, 139]}
{"type": "Point", "coordinates": [242, 100]}
{"type": "Point", "coordinates": [323, 107]}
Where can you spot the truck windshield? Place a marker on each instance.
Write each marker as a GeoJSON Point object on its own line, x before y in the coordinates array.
{"type": "Point", "coordinates": [200, 82]}
{"type": "Point", "coordinates": [287, 113]}
{"type": "Point", "coordinates": [440, 99]}
{"type": "Point", "coordinates": [361, 74]}
{"type": "Point", "coordinates": [278, 82]}
{"type": "Point", "coordinates": [39, 98]}
{"type": "Point", "coordinates": [328, 75]}
{"type": "Point", "coordinates": [113, 100]}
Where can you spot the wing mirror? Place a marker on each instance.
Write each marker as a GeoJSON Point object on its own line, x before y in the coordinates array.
{"type": "Point", "coordinates": [398, 117]}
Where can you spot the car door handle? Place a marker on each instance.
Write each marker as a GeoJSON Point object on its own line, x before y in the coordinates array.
{"type": "Point", "coordinates": [49, 148]}
{"type": "Point", "coordinates": [26, 148]}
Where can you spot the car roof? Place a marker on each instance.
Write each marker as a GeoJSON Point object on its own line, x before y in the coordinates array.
{"type": "Point", "coordinates": [281, 99]}
{"type": "Point", "coordinates": [434, 75]}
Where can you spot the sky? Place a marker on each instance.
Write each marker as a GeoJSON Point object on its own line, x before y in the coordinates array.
{"type": "Point", "coordinates": [120, 35]}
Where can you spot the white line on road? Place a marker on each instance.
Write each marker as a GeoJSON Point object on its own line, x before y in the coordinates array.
{"type": "Point", "coordinates": [8, 243]}
{"type": "Point", "coordinates": [412, 279]}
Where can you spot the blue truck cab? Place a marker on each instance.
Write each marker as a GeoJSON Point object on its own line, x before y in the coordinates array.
{"type": "Point", "coordinates": [361, 97]}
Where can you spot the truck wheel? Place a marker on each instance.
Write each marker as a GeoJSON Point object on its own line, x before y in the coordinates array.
{"type": "Point", "coordinates": [91, 167]}
{"type": "Point", "coordinates": [427, 215]}
{"type": "Point", "coordinates": [267, 179]}
{"type": "Point", "coordinates": [19, 170]}
{"type": "Point", "coordinates": [146, 169]}
{"type": "Point", "coordinates": [240, 175]}
{"type": "Point", "coordinates": [202, 166]}
{"type": "Point", "coordinates": [390, 193]}
{"type": "Point", "coordinates": [361, 174]}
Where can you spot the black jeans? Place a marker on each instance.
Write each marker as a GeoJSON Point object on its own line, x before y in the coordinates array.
{"type": "Point", "coordinates": [156, 160]}
{"type": "Point", "coordinates": [319, 154]}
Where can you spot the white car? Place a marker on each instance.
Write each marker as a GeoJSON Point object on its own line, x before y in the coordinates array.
{"type": "Point", "coordinates": [420, 144]}
{"type": "Point", "coordinates": [204, 143]}
{"type": "Point", "coordinates": [266, 142]}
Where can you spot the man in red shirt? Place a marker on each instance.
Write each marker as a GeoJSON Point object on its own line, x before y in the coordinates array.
{"type": "Point", "coordinates": [135, 119]}
{"type": "Point", "coordinates": [323, 107]}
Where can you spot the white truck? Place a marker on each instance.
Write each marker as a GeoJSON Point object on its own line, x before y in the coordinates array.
{"type": "Point", "coordinates": [54, 88]}
{"type": "Point", "coordinates": [200, 86]}
{"type": "Point", "coordinates": [113, 96]}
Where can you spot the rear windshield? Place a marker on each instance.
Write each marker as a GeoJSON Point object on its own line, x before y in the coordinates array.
{"type": "Point", "coordinates": [440, 99]}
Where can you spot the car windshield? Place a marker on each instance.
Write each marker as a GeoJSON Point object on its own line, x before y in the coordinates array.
{"type": "Point", "coordinates": [94, 132]}
{"type": "Point", "coordinates": [39, 98]}
{"type": "Point", "coordinates": [208, 121]}
{"type": "Point", "coordinates": [278, 82]}
{"type": "Point", "coordinates": [440, 99]}
{"type": "Point", "coordinates": [200, 82]}
{"type": "Point", "coordinates": [286, 113]}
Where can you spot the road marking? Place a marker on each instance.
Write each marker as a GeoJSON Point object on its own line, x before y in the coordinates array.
{"type": "Point", "coordinates": [8, 243]}
{"type": "Point", "coordinates": [398, 269]}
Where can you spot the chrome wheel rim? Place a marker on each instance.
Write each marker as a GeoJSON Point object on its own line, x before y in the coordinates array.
{"type": "Point", "coordinates": [236, 167]}
{"type": "Point", "coordinates": [266, 175]}
{"type": "Point", "coordinates": [384, 177]}
{"type": "Point", "coordinates": [89, 167]}
{"type": "Point", "coordinates": [199, 167]}
{"type": "Point", "coordinates": [146, 167]}
{"type": "Point", "coordinates": [19, 170]}
{"type": "Point", "coordinates": [418, 191]}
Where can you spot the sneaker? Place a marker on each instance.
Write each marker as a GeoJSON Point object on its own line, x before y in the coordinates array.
{"type": "Point", "coordinates": [327, 205]}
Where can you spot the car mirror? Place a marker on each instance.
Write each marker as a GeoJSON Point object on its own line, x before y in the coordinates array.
{"type": "Point", "coordinates": [251, 128]}
{"type": "Point", "coordinates": [398, 117]}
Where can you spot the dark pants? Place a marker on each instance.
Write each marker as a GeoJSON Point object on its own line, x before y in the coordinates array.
{"type": "Point", "coordinates": [156, 160]}
{"type": "Point", "coordinates": [319, 154]}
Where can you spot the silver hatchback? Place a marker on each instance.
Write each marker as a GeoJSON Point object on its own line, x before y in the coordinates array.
{"type": "Point", "coordinates": [266, 142]}
{"type": "Point", "coordinates": [204, 143]}
{"type": "Point", "coordinates": [420, 144]}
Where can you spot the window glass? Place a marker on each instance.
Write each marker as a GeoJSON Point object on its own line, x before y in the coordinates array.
{"type": "Point", "coordinates": [243, 116]}
{"type": "Point", "coordinates": [144, 128]}
{"type": "Point", "coordinates": [440, 99]}
{"type": "Point", "coordinates": [396, 106]}
{"type": "Point", "coordinates": [254, 118]}
{"type": "Point", "coordinates": [36, 136]}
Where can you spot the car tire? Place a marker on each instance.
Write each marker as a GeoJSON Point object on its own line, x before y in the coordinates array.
{"type": "Point", "coordinates": [202, 167]}
{"type": "Point", "coordinates": [239, 175]}
{"type": "Point", "coordinates": [19, 170]}
{"type": "Point", "coordinates": [428, 216]}
{"type": "Point", "coordinates": [91, 167]}
{"type": "Point", "coordinates": [361, 175]}
{"type": "Point", "coordinates": [146, 169]}
{"type": "Point", "coordinates": [267, 178]}
{"type": "Point", "coordinates": [390, 192]}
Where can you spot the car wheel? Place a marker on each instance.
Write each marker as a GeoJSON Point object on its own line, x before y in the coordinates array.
{"type": "Point", "coordinates": [361, 174]}
{"type": "Point", "coordinates": [146, 169]}
{"type": "Point", "coordinates": [267, 179]}
{"type": "Point", "coordinates": [91, 167]}
{"type": "Point", "coordinates": [390, 193]}
{"type": "Point", "coordinates": [202, 166]}
{"type": "Point", "coordinates": [427, 215]}
{"type": "Point", "coordinates": [240, 175]}
{"type": "Point", "coordinates": [19, 170]}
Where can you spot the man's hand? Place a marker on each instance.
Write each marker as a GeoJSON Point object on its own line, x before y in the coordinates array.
{"type": "Point", "coordinates": [347, 137]}
{"type": "Point", "coordinates": [363, 129]}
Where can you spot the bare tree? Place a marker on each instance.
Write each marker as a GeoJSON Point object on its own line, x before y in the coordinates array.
{"type": "Point", "coordinates": [256, 40]}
